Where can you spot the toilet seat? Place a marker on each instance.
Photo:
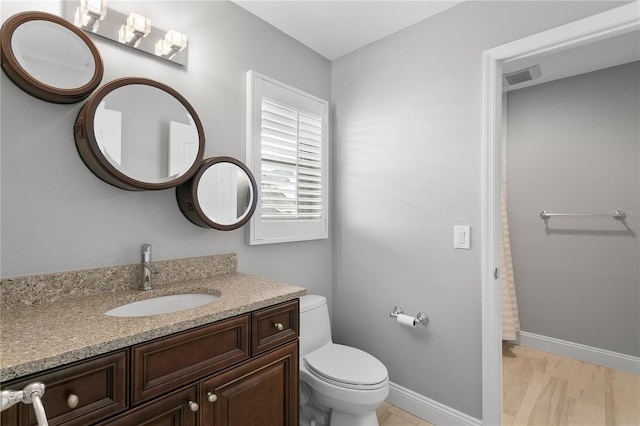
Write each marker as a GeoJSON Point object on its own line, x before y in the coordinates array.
{"type": "Point", "coordinates": [346, 367]}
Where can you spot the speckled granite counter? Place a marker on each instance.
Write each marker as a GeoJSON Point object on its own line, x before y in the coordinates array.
{"type": "Point", "coordinates": [37, 337]}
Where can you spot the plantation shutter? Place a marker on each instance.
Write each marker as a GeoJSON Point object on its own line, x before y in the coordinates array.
{"type": "Point", "coordinates": [291, 163]}
{"type": "Point", "coordinates": [287, 141]}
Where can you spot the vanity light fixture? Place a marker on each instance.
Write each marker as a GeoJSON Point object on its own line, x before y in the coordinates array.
{"type": "Point", "coordinates": [89, 14]}
{"type": "Point", "coordinates": [172, 43]}
{"type": "Point", "coordinates": [135, 30]}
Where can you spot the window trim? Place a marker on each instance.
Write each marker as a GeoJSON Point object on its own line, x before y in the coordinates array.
{"type": "Point", "coordinates": [267, 232]}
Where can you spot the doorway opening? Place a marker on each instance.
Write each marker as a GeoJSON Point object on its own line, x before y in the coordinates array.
{"type": "Point", "coordinates": [599, 27]}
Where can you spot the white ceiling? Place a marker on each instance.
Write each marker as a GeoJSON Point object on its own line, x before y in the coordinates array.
{"type": "Point", "coordinates": [598, 55]}
{"type": "Point", "coordinates": [334, 28]}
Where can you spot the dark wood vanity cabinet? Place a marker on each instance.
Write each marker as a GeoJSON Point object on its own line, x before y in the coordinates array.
{"type": "Point", "coordinates": [241, 371]}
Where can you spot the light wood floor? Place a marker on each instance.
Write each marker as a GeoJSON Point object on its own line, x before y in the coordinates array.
{"type": "Point", "coordinates": [544, 389]}
{"type": "Point", "coordinates": [390, 415]}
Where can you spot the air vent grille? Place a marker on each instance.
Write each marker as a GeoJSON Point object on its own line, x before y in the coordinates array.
{"type": "Point", "coordinates": [522, 76]}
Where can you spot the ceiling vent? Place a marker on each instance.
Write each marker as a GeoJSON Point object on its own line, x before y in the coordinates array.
{"type": "Point", "coordinates": [522, 76]}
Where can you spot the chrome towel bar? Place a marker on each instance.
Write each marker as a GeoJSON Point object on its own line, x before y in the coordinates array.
{"type": "Point", "coordinates": [31, 394]}
{"type": "Point", "coordinates": [616, 214]}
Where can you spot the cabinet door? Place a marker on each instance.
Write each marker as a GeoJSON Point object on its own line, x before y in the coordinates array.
{"type": "Point", "coordinates": [179, 408]}
{"type": "Point", "coordinates": [260, 392]}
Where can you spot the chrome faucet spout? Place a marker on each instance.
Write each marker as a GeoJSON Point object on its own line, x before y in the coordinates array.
{"type": "Point", "coordinates": [148, 268]}
{"type": "Point", "coordinates": [151, 267]}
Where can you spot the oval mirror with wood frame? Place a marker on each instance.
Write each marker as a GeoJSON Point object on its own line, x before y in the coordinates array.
{"type": "Point", "coordinates": [139, 134]}
{"type": "Point", "coordinates": [221, 195]}
{"type": "Point", "coordinates": [49, 58]}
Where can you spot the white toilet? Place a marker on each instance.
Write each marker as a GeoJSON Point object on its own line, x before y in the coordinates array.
{"type": "Point", "coordinates": [339, 385]}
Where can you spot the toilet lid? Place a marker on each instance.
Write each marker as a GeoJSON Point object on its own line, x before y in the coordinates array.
{"type": "Point", "coordinates": [346, 366]}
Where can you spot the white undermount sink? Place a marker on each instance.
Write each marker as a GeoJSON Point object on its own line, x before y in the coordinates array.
{"type": "Point", "coordinates": [162, 305]}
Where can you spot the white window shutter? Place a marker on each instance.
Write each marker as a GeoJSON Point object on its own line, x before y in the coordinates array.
{"type": "Point", "coordinates": [287, 146]}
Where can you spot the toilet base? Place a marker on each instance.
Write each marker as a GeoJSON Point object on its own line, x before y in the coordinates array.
{"type": "Point", "coordinates": [339, 418]}
{"type": "Point", "coordinates": [311, 413]}
{"type": "Point", "coordinates": [314, 414]}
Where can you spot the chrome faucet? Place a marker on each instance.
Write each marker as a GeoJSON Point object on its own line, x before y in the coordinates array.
{"type": "Point", "coordinates": [148, 268]}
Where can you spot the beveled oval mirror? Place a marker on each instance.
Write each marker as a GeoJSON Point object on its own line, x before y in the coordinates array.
{"type": "Point", "coordinates": [138, 134]}
{"type": "Point", "coordinates": [49, 58]}
{"type": "Point", "coordinates": [221, 195]}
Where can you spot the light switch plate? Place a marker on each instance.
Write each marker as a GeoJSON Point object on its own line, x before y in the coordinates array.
{"type": "Point", "coordinates": [462, 237]}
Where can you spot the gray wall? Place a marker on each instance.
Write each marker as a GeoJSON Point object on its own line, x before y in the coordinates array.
{"type": "Point", "coordinates": [573, 146]}
{"type": "Point", "coordinates": [408, 168]}
{"type": "Point", "coordinates": [57, 216]}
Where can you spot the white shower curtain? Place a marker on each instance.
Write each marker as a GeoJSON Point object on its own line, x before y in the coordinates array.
{"type": "Point", "coordinates": [510, 316]}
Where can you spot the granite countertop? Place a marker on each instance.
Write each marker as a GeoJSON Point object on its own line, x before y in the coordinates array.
{"type": "Point", "coordinates": [42, 336]}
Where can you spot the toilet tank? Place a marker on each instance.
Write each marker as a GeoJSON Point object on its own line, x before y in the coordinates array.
{"type": "Point", "coordinates": [315, 329]}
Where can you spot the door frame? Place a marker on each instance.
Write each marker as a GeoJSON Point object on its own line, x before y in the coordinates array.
{"type": "Point", "coordinates": [607, 24]}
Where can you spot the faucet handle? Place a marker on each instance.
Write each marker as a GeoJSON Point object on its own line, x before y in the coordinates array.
{"type": "Point", "coordinates": [145, 250]}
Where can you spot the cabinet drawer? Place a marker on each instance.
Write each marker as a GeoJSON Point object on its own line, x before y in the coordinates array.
{"type": "Point", "coordinates": [274, 326]}
{"type": "Point", "coordinates": [99, 384]}
{"type": "Point", "coordinates": [175, 409]}
{"type": "Point", "coordinates": [168, 363]}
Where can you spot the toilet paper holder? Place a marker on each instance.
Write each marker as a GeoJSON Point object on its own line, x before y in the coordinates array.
{"type": "Point", "coordinates": [420, 319]}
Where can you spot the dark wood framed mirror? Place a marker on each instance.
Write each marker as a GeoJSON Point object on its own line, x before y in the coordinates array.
{"type": "Point", "coordinates": [139, 134]}
{"type": "Point", "coordinates": [49, 58]}
{"type": "Point", "coordinates": [221, 195]}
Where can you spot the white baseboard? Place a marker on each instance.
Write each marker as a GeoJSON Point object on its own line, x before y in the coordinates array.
{"type": "Point", "coordinates": [605, 358]}
{"type": "Point", "coordinates": [428, 409]}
